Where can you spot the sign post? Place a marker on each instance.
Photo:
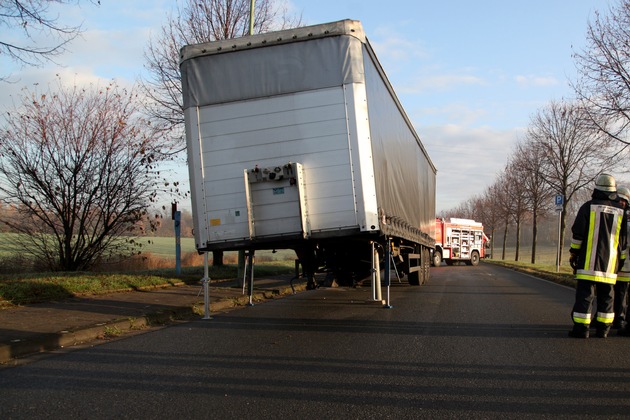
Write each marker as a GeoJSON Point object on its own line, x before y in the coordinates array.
{"type": "Point", "coordinates": [177, 220]}
{"type": "Point", "coordinates": [559, 205]}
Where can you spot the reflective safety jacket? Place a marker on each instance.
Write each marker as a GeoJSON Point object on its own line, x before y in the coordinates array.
{"type": "Point", "coordinates": [624, 273]}
{"type": "Point", "coordinates": [599, 240]}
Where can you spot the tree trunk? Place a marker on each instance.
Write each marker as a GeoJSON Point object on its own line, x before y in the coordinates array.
{"type": "Point", "coordinates": [217, 258]}
{"type": "Point", "coordinates": [492, 242]}
{"type": "Point", "coordinates": [505, 233]}
{"type": "Point", "coordinates": [518, 239]}
{"type": "Point", "coordinates": [563, 224]}
{"type": "Point", "coordinates": [534, 236]}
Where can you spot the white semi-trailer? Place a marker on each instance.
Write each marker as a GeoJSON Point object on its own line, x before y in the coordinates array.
{"type": "Point", "coordinates": [296, 140]}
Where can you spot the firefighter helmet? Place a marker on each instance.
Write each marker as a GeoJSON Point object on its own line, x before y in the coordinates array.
{"type": "Point", "coordinates": [624, 193]}
{"type": "Point", "coordinates": [605, 182]}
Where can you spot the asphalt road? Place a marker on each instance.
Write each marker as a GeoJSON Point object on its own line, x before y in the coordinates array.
{"type": "Point", "coordinates": [476, 342]}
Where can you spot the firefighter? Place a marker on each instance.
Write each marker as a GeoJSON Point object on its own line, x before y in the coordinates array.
{"type": "Point", "coordinates": [598, 250]}
{"type": "Point", "coordinates": [623, 276]}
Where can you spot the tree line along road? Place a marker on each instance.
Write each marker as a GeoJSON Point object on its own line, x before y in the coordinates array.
{"type": "Point", "coordinates": [475, 342]}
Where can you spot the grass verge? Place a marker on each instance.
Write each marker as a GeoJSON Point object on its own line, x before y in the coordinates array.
{"type": "Point", "coordinates": [45, 287]}
{"type": "Point", "coordinates": [565, 276]}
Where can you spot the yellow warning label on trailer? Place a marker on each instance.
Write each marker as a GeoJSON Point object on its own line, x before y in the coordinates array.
{"type": "Point", "coordinates": [215, 222]}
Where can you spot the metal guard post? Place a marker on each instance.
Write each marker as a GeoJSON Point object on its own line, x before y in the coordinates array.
{"type": "Point", "coordinates": [374, 276]}
{"type": "Point", "coordinates": [250, 288]}
{"type": "Point", "coordinates": [388, 262]}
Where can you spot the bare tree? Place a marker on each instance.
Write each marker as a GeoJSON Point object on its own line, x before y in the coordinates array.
{"type": "Point", "coordinates": [518, 197]}
{"type": "Point", "coordinates": [501, 193]}
{"type": "Point", "coordinates": [572, 153]}
{"type": "Point", "coordinates": [527, 165]}
{"type": "Point", "coordinates": [604, 72]}
{"type": "Point", "coordinates": [194, 22]}
{"type": "Point", "coordinates": [462, 210]}
{"type": "Point", "coordinates": [491, 215]}
{"type": "Point", "coordinates": [77, 165]}
{"type": "Point", "coordinates": [198, 21]}
{"type": "Point", "coordinates": [32, 33]}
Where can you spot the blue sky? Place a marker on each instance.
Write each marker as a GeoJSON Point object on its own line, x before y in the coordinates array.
{"type": "Point", "coordinates": [470, 74]}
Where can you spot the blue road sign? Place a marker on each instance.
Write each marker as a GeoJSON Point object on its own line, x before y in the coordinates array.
{"type": "Point", "coordinates": [559, 201]}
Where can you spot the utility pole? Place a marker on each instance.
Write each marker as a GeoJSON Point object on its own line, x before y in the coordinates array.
{"type": "Point", "coordinates": [241, 254]}
{"type": "Point", "coordinates": [251, 17]}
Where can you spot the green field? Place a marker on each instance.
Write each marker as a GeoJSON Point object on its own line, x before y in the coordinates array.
{"type": "Point", "coordinates": [166, 246]}
{"type": "Point", "coordinates": [6, 247]}
{"type": "Point", "coordinates": [161, 252]}
{"type": "Point", "coordinates": [163, 247]}
{"type": "Point", "coordinates": [545, 257]}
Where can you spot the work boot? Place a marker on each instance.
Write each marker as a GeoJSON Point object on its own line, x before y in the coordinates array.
{"type": "Point", "coordinates": [579, 331]}
{"type": "Point", "coordinates": [624, 332]}
{"type": "Point", "coordinates": [602, 330]}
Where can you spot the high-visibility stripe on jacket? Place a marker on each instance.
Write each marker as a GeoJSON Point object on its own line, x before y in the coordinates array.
{"type": "Point", "coordinates": [624, 273]}
{"type": "Point", "coordinates": [599, 240]}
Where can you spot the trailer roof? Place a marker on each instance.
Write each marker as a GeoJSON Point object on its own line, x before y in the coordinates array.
{"type": "Point", "coordinates": [334, 57]}
{"type": "Point", "coordinates": [342, 27]}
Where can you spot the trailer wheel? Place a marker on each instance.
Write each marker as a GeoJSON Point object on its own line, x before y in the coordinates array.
{"type": "Point", "coordinates": [474, 258]}
{"type": "Point", "coordinates": [437, 258]}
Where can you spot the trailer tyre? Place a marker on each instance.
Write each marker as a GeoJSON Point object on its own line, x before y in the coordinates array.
{"type": "Point", "coordinates": [437, 258]}
{"type": "Point", "coordinates": [474, 258]}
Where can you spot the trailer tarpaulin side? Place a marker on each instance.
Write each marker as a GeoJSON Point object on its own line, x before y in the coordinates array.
{"type": "Point", "coordinates": [405, 176]}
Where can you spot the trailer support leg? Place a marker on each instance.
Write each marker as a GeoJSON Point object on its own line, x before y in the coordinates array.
{"type": "Point", "coordinates": [388, 262]}
{"type": "Point", "coordinates": [206, 291]}
{"type": "Point", "coordinates": [377, 295]}
{"type": "Point", "coordinates": [250, 284]}
{"type": "Point", "coordinates": [306, 256]}
{"type": "Point", "coordinates": [243, 271]}
{"type": "Point", "coordinates": [373, 272]}
{"type": "Point", "coordinates": [297, 275]}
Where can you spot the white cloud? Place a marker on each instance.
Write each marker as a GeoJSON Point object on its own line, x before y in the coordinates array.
{"type": "Point", "coordinates": [389, 45]}
{"type": "Point", "coordinates": [455, 113]}
{"type": "Point", "coordinates": [467, 159]}
{"type": "Point", "coordinates": [413, 63]}
{"type": "Point", "coordinates": [441, 82]}
{"type": "Point", "coordinates": [42, 79]}
{"type": "Point", "coordinates": [536, 81]}
{"type": "Point", "coordinates": [110, 54]}
{"type": "Point", "coordinates": [110, 47]}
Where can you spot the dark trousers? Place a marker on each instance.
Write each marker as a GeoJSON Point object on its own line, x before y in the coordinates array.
{"type": "Point", "coordinates": [585, 293]}
{"type": "Point", "coordinates": [621, 301]}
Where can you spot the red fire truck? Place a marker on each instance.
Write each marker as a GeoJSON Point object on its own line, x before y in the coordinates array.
{"type": "Point", "coordinates": [459, 240]}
